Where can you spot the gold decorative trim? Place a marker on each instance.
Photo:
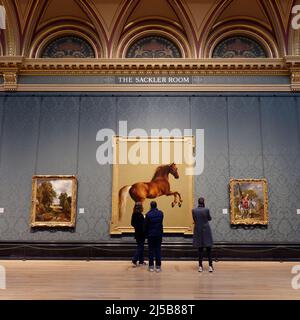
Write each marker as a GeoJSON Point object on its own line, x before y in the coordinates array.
{"type": "Point", "coordinates": [152, 88]}
{"type": "Point", "coordinates": [69, 66]}
{"type": "Point", "coordinates": [12, 37]}
{"type": "Point", "coordinates": [295, 80]}
{"type": "Point", "coordinates": [293, 62]}
{"type": "Point", "coordinates": [288, 66]}
{"type": "Point", "coordinates": [10, 81]}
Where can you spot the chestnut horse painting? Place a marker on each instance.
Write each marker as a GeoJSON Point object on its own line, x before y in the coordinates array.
{"type": "Point", "coordinates": [158, 186]}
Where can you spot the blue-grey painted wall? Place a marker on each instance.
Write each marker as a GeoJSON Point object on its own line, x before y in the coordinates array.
{"type": "Point", "coordinates": [246, 135]}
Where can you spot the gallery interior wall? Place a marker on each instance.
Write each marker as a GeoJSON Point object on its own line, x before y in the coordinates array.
{"type": "Point", "coordinates": [246, 136]}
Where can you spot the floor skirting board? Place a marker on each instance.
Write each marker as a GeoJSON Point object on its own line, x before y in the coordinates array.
{"type": "Point", "coordinates": [124, 251]}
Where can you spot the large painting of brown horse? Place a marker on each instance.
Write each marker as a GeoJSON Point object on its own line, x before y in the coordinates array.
{"type": "Point", "coordinates": [158, 186]}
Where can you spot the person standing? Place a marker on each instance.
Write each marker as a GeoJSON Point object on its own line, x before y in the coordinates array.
{"type": "Point", "coordinates": [202, 233]}
{"type": "Point", "coordinates": [154, 233]}
{"type": "Point", "coordinates": [137, 221]}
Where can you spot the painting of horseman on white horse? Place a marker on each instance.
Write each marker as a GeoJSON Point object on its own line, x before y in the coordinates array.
{"type": "Point", "coordinates": [249, 201]}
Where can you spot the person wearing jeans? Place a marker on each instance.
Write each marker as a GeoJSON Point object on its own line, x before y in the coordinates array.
{"type": "Point", "coordinates": [202, 233]}
{"type": "Point", "coordinates": [154, 244]}
{"type": "Point", "coordinates": [154, 233]}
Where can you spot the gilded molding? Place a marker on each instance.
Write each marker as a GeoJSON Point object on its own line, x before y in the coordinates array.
{"type": "Point", "coordinates": [11, 67]}
{"type": "Point", "coordinates": [146, 66]}
{"type": "Point", "coordinates": [295, 80]}
{"type": "Point", "coordinates": [12, 36]}
{"type": "Point", "coordinates": [10, 81]}
{"type": "Point", "coordinates": [293, 63]}
{"type": "Point", "coordinates": [152, 88]}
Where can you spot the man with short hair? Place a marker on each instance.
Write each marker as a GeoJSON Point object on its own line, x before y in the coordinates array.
{"type": "Point", "coordinates": [154, 233]}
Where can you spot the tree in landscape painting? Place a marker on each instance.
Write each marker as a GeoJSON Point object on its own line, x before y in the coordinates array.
{"type": "Point", "coordinates": [52, 205]}
{"type": "Point", "coordinates": [53, 201]}
{"type": "Point", "coordinates": [45, 196]}
{"type": "Point", "coordinates": [65, 203]}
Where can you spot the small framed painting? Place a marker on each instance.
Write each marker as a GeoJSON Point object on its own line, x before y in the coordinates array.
{"type": "Point", "coordinates": [53, 201]}
{"type": "Point", "coordinates": [249, 201]}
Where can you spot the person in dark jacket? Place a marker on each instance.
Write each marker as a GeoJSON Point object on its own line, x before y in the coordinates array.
{"type": "Point", "coordinates": [202, 233]}
{"type": "Point", "coordinates": [137, 221]}
{"type": "Point", "coordinates": [154, 233]}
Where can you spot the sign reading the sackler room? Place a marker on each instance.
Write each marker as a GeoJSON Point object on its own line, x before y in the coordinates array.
{"type": "Point", "coordinates": [154, 80]}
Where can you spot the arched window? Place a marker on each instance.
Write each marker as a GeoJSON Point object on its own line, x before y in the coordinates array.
{"type": "Point", "coordinates": [239, 47]}
{"type": "Point", "coordinates": [153, 47]}
{"type": "Point", "coordinates": [68, 47]}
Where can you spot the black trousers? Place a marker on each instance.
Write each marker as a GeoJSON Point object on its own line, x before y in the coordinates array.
{"type": "Point", "coordinates": [139, 252]}
{"type": "Point", "coordinates": [201, 256]}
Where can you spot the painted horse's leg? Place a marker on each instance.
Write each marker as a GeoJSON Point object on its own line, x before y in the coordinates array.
{"type": "Point", "coordinates": [170, 193]}
{"type": "Point", "coordinates": [177, 198]}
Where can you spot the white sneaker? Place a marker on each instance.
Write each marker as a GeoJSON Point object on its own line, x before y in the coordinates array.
{"type": "Point", "coordinates": [158, 269]}
{"type": "Point", "coordinates": [210, 269]}
{"type": "Point", "coordinates": [200, 269]}
{"type": "Point", "coordinates": [151, 269]}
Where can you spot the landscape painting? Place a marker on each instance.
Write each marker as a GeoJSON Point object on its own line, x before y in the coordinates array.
{"type": "Point", "coordinates": [249, 201]}
{"type": "Point", "coordinates": [53, 201]}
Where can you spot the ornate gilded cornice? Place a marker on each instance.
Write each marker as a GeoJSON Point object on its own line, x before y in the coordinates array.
{"type": "Point", "coordinates": [295, 79]}
{"type": "Point", "coordinates": [10, 81]}
{"type": "Point", "coordinates": [19, 66]}
{"type": "Point", "coordinates": [9, 67]}
{"type": "Point", "coordinates": [148, 66]}
{"type": "Point", "coordinates": [293, 62]}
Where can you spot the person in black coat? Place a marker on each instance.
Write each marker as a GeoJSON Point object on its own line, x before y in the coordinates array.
{"type": "Point", "coordinates": [154, 233]}
{"type": "Point", "coordinates": [137, 221]}
{"type": "Point", "coordinates": [202, 233]}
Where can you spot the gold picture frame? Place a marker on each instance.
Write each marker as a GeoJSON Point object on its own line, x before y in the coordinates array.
{"type": "Point", "coordinates": [249, 202]}
{"type": "Point", "coordinates": [176, 219]}
{"type": "Point", "coordinates": [54, 201]}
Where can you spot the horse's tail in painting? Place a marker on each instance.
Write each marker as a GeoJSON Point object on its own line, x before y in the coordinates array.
{"type": "Point", "coordinates": [123, 195]}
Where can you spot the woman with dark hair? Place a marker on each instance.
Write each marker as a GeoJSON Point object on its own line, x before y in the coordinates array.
{"type": "Point", "coordinates": [137, 221]}
{"type": "Point", "coordinates": [202, 233]}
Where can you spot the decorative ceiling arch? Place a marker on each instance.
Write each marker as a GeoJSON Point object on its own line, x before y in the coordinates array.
{"type": "Point", "coordinates": [188, 24]}
{"type": "Point", "coordinates": [293, 36]}
{"type": "Point", "coordinates": [89, 9]}
{"type": "Point", "coordinates": [120, 24]}
{"type": "Point", "coordinates": [284, 11]}
{"type": "Point", "coordinates": [294, 43]}
{"type": "Point", "coordinates": [32, 22]}
{"type": "Point", "coordinates": [246, 28]}
{"type": "Point", "coordinates": [68, 46]}
{"type": "Point", "coordinates": [273, 12]}
{"type": "Point", "coordinates": [48, 34]}
{"type": "Point", "coordinates": [12, 34]}
{"type": "Point", "coordinates": [153, 47]}
{"type": "Point", "coordinates": [238, 47]}
{"type": "Point", "coordinates": [154, 26]}
{"type": "Point", "coordinates": [106, 23]}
